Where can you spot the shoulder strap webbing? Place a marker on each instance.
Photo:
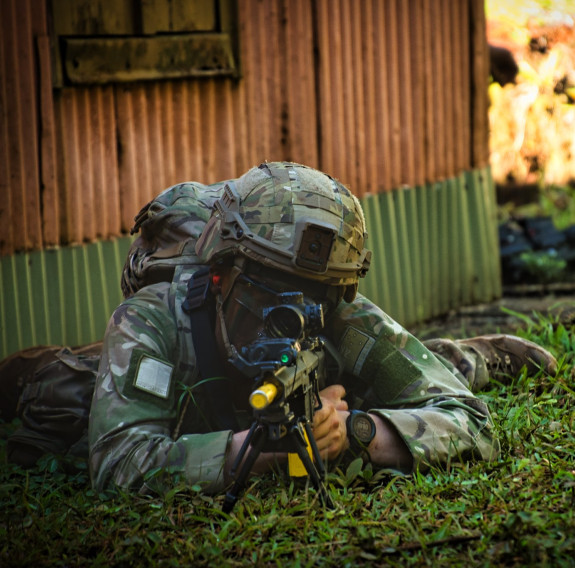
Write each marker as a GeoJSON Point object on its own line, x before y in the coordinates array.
{"type": "Point", "coordinates": [200, 305]}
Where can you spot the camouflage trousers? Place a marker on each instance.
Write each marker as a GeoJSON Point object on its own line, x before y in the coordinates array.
{"type": "Point", "coordinates": [463, 361]}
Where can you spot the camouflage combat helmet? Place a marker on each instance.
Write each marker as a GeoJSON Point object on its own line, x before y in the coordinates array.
{"type": "Point", "coordinates": [292, 218]}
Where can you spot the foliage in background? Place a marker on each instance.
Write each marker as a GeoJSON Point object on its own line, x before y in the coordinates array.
{"type": "Point", "coordinates": [554, 201]}
{"type": "Point", "coordinates": [532, 122]}
{"type": "Point", "coordinates": [518, 511]}
{"type": "Point", "coordinates": [543, 266]}
{"type": "Point", "coordinates": [518, 12]}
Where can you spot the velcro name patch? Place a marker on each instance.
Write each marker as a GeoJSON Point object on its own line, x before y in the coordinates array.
{"type": "Point", "coordinates": [154, 376]}
{"type": "Point", "coordinates": [354, 348]}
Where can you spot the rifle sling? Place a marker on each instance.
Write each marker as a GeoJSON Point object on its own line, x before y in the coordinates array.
{"type": "Point", "coordinates": [200, 305]}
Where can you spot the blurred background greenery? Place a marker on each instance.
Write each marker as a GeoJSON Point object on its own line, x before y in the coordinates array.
{"type": "Point", "coordinates": [532, 121]}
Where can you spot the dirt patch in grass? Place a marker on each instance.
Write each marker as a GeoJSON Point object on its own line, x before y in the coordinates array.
{"type": "Point", "coordinates": [506, 315]}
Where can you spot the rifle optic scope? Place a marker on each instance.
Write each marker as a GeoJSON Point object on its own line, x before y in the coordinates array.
{"type": "Point", "coordinates": [292, 318]}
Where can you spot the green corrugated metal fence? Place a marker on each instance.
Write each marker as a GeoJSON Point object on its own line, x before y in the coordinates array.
{"type": "Point", "coordinates": [434, 249]}
{"type": "Point", "coordinates": [62, 296]}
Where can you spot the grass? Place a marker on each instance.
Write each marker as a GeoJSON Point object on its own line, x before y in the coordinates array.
{"type": "Point", "coordinates": [518, 511]}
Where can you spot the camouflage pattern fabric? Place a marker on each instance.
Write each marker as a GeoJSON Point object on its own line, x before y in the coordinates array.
{"type": "Point", "coordinates": [266, 202]}
{"type": "Point", "coordinates": [149, 364]}
{"type": "Point", "coordinates": [425, 396]}
{"type": "Point", "coordinates": [144, 431]}
{"type": "Point", "coordinates": [471, 370]}
{"type": "Point", "coordinates": [293, 218]}
{"type": "Point", "coordinates": [130, 432]}
{"type": "Point", "coordinates": [169, 227]}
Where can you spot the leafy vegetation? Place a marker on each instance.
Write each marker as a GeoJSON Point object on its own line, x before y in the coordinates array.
{"type": "Point", "coordinates": [543, 266]}
{"type": "Point", "coordinates": [532, 120]}
{"type": "Point", "coordinates": [515, 512]}
{"type": "Point", "coordinates": [555, 201]}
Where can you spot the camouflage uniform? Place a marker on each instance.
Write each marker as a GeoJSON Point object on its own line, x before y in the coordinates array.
{"type": "Point", "coordinates": [149, 424]}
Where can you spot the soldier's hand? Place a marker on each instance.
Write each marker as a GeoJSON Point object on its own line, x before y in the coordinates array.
{"type": "Point", "coordinates": [329, 428]}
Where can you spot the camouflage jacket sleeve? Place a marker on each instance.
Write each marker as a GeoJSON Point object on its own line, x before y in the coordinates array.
{"type": "Point", "coordinates": [136, 402]}
{"type": "Point", "coordinates": [402, 381]}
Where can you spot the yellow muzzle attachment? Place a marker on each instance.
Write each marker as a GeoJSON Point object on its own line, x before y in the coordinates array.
{"type": "Point", "coordinates": [263, 396]}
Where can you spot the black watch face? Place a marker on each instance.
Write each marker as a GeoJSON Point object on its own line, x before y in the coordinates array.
{"type": "Point", "coordinates": [363, 428]}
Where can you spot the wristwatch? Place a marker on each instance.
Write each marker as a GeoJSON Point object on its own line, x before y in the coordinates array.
{"type": "Point", "coordinates": [360, 431]}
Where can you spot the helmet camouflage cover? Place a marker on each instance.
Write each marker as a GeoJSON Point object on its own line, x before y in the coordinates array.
{"type": "Point", "coordinates": [292, 218]}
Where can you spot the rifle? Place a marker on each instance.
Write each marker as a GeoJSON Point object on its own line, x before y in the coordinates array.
{"type": "Point", "coordinates": [287, 366]}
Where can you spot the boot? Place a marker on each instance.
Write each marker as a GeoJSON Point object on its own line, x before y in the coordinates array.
{"type": "Point", "coordinates": [506, 355]}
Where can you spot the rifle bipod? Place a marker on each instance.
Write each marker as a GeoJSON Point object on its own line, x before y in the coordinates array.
{"type": "Point", "coordinates": [293, 441]}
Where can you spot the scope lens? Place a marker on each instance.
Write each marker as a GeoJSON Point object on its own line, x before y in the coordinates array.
{"type": "Point", "coordinates": [285, 321]}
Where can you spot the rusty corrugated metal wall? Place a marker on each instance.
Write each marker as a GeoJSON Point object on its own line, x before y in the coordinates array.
{"type": "Point", "coordinates": [403, 96]}
{"type": "Point", "coordinates": [379, 94]}
{"type": "Point", "coordinates": [386, 95]}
